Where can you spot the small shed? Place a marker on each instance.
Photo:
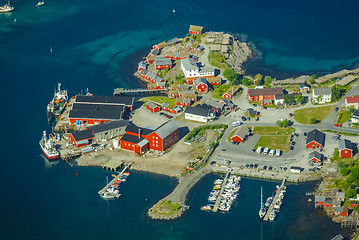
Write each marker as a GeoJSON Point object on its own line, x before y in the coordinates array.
{"type": "Point", "coordinates": [319, 200]}
{"type": "Point", "coordinates": [153, 107]}
{"type": "Point", "coordinates": [341, 211]}
{"type": "Point", "coordinates": [341, 196]}
{"type": "Point", "coordinates": [294, 169]}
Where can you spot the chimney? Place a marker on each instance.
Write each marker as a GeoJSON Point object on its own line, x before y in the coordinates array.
{"type": "Point", "coordinates": [139, 133]}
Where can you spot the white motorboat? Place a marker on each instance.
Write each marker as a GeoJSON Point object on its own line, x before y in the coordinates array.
{"type": "Point", "coordinates": [41, 3]}
{"type": "Point", "coordinates": [272, 216]}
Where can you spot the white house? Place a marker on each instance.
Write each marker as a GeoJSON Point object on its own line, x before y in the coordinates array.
{"type": "Point", "coordinates": [199, 113]}
{"type": "Point", "coordinates": [192, 71]}
{"type": "Point", "coordinates": [322, 95]}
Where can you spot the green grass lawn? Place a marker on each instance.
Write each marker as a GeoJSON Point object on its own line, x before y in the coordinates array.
{"type": "Point", "coordinates": [274, 142]}
{"type": "Point", "coordinates": [320, 113]}
{"type": "Point", "coordinates": [343, 117]}
{"type": "Point", "coordinates": [161, 99]}
{"type": "Point", "coordinates": [273, 130]}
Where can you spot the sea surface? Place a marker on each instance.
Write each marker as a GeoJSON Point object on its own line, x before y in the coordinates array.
{"type": "Point", "coordinates": [97, 45]}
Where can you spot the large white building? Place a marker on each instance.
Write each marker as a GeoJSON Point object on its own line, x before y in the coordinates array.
{"type": "Point", "coordinates": [192, 71]}
{"type": "Point", "coordinates": [322, 95]}
{"type": "Point", "coordinates": [200, 113]}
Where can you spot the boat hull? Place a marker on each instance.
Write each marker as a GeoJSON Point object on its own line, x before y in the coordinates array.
{"type": "Point", "coordinates": [50, 155]}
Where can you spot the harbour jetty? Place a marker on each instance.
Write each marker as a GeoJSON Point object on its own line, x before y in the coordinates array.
{"type": "Point", "coordinates": [219, 198]}
{"type": "Point", "coordinates": [104, 189]}
{"type": "Point", "coordinates": [274, 201]}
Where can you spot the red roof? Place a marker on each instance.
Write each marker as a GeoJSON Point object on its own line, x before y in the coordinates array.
{"type": "Point", "coordinates": [352, 99]}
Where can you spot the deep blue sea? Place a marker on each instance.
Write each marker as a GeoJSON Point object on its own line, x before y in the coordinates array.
{"type": "Point", "coordinates": [96, 45]}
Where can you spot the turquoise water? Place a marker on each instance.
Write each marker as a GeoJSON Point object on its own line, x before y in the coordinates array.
{"type": "Point", "coordinates": [96, 45]}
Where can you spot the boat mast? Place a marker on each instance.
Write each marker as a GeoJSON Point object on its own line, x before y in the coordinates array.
{"type": "Point", "coordinates": [261, 197]}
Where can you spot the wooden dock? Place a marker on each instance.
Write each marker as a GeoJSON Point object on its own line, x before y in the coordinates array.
{"type": "Point", "coordinates": [219, 198]}
{"type": "Point", "coordinates": [276, 197]}
{"type": "Point", "coordinates": [104, 189]}
{"type": "Point", "coordinates": [113, 164]}
{"type": "Point", "coordinates": [123, 91]}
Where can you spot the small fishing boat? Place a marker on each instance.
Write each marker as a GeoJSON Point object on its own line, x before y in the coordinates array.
{"type": "Point", "coordinates": [41, 3]}
{"type": "Point", "coordinates": [268, 202]}
{"type": "Point", "coordinates": [272, 216]}
{"type": "Point", "coordinates": [6, 8]}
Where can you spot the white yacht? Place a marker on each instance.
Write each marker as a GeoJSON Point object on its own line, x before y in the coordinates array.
{"type": "Point", "coordinates": [6, 8]}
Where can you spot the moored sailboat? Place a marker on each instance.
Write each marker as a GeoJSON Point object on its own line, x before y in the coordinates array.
{"type": "Point", "coordinates": [262, 210]}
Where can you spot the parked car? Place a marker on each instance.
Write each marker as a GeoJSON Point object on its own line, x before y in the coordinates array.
{"type": "Point", "coordinates": [246, 166]}
{"type": "Point", "coordinates": [293, 143]}
{"type": "Point", "coordinates": [259, 149]}
{"type": "Point", "coordinates": [291, 148]}
{"type": "Point", "coordinates": [255, 165]}
{"type": "Point", "coordinates": [213, 162]}
{"type": "Point", "coordinates": [305, 134]}
{"type": "Point", "coordinates": [257, 118]}
{"type": "Point", "coordinates": [290, 114]}
{"type": "Point", "coordinates": [264, 107]}
{"type": "Point", "coordinates": [266, 150]}
{"type": "Point", "coordinates": [254, 105]}
{"type": "Point", "coordinates": [336, 109]}
{"type": "Point", "coordinates": [270, 168]}
{"type": "Point", "coordinates": [271, 152]}
{"type": "Point", "coordinates": [250, 165]}
{"type": "Point", "coordinates": [265, 167]}
{"type": "Point", "coordinates": [277, 153]}
{"type": "Point", "coordinates": [243, 118]}
{"type": "Point", "coordinates": [253, 150]}
{"type": "Point", "coordinates": [338, 125]}
{"type": "Point", "coordinates": [236, 123]}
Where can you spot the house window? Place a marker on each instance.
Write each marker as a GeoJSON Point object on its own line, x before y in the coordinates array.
{"type": "Point", "coordinates": [156, 145]}
{"type": "Point", "coordinates": [125, 144]}
{"type": "Point", "coordinates": [156, 137]}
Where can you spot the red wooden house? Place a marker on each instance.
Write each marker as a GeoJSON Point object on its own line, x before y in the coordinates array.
{"type": "Point", "coordinates": [81, 138]}
{"type": "Point", "coordinates": [354, 204]}
{"type": "Point", "coordinates": [315, 139]}
{"type": "Point", "coordinates": [174, 110]}
{"type": "Point", "coordinates": [214, 81]}
{"type": "Point", "coordinates": [201, 85]}
{"type": "Point", "coordinates": [150, 59]}
{"type": "Point", "coordinates": [328, 203]}
{"type": "Point", "coordinates": [319, 200]}
{"type": "Point", "coordinates": [231, 92]}
{"type": "Point", "coordinates": [183, 102]}
{"type": "Point", "coordinates": [345, 148]}
{"type": "Point", "coordinates": [196, 30]}
{"type": "Point", "coordinates": [141, 66]}
{"type": "Point", "coordinates": [162, 63]}
{"type": "Point", "coordinates": [153, 107]}
{"type": "Point", "coordinates": [240, 134]}
{"type": "Point", "coordinates": [159, 85]}
{"type": "Point", "coordinates": [341, 211]}
{"type": "Point", "coordinates": [315, 157]}
{"type": "Point", "coordinates": [160, 45]}
{"type": "Point", "coordinates": [258, 95]}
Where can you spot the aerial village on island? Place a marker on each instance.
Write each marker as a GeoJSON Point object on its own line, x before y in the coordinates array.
{"type": "Point", "coordinates": [201, 114]}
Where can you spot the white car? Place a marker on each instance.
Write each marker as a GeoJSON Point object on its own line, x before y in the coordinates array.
{"type": "Point", "coordinates": [277, 153]}
{"type": "Point", "coordinates": [259, 149]}
{"type": "Point", "coordinates": [266, 150]}
{"type": "Point", "coordinates": [271, 152]}
{"type": "Point", "coordinates": [236, 123]}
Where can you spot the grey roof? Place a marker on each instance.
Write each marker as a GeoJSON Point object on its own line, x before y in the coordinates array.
{"type": "Point", "coordinates": [166, 129]}
{"type": "Point", "coordinates": [206, 69]}
{"type": "Point", "coordinates": [108, 126]}
{"type": "Point", "coordinates": [151, 104]}
{"type": "Point", "coordinates": [200, 110]}
{"type": "Point", "coordinates": [154, 52]}
{"type": "Point", "coordinates": [336, 202]}
{"type": "Point", "coordinates": [142, 64]}
{"type": "Point", "coordinates": [215, 104]}
{"type": "Point", "coordinates": [227, 102]}
{"type": "Point", "coordinates": [81, 135]}
{"type": "Point", "coordinates": [173, 41]}
{"type": "Point", "coordinates": [340, 194]}
{"type": "Point", "coordinates": [159, 61]}
{"type": "Point", "coordinates": [265, 91]}
{"type": "Point", "coordinates": [200, 80]}
{"type": "Point", "coordinates": [322, 91]}
{"type": "Point", "coordinates": [296, 168]}
{"type": "Point", "coordinates": [316, 154]}
{"type": "Point", "coordinates": [316, 136]}
{"type": "Point", "coordinates": [128, 101]}
{"type": "Point", "coordinates": [241, 132]}
{"type": "Point", "coordinates": [252, 112]}
{"type": "Point", "coordinates": [279, 96]}
{"type": "Point", "coordinates": [339, 209]}
{"type": "Point", "coordinates": [189, 64]}
{"type": "Point", "coordinates": [177, 54]}
{"type": "Point", "coordinates": [319, 199]}
{"type": "Point", "coordinates": [356, 113]}
{"type": "Point", "coordinates": [345, 144]}
{"type": "Point", "coordinates": [165, 104]}
{"type": "Point", "coordinates": [143, 142]}
{"type": "Point", "coordinates": [187, 100]}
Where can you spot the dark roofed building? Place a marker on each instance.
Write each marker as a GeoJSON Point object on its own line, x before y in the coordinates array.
{"type": "Point", "coordinates": [265, 95]}
{"type": "Point", "coordinates": [95, 113]}
{"type": "Point", "coordinates": [81, 138]}
{"type": "Point", "coordinates": [315, 157]}
{"type": "Point", "coordinates": [200, 113]}
{"type": "Point", "coordinates": [315, 139]}
{"type": "Point", "coordinates": [127, 101]}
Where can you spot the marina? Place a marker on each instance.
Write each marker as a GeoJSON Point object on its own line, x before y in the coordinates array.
{"type": "Point", "coordinates": [276, 202]}
{"type": "Point", "coordinates": [111, 190]}
{"type": "Point", "coordinates": [224, 193]}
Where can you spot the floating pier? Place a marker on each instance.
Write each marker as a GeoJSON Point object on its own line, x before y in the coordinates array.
{"type": "Point", "coordinates": [219, 198]}
{"type": "Point", "coordinates": [276, 197]}
{"type": "Point", "coordinates": [103, 190]}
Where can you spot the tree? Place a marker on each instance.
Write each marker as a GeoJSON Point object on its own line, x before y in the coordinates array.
{"type": "Point", "coordinates": [246, 81]}
{"type": "Point", "coordinates": [313, 121]}
{"type": "Point", "coordinates": [299, 98]}
{"type": "Point", "coordinates": [258, 79]}
{"type": "Point", "coordinates": [232, 76]}
{"type": "Point", "coordinates": [337, 92]}
{"type": "Point", "coordinates": [268, 80]}
{"type": "Point", "coordinates": [283, 123]}
{"type": "Point", "coordinates": [289, 99]}
{"type": "Point", "coordinates": [194, 37]}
